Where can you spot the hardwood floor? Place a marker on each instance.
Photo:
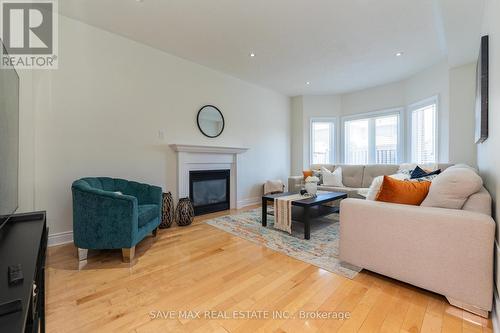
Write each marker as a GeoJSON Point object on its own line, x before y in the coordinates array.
{"type": "Point", "coordinates": [201, 268]}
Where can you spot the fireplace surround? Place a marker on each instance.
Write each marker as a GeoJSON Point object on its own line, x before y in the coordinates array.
{"type": "Point", "coordinates": [199, 157]}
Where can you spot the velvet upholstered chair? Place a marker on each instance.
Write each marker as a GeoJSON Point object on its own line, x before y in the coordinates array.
{"type": "Point", "coordinates": [113, 213]}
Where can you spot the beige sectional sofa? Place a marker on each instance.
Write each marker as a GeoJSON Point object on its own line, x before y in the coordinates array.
{"type": "Point", "coordinates": [447, 251]}
{"type": "Point", "coordinates": [356, 178]}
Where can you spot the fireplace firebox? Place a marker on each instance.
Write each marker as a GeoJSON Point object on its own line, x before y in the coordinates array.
{"type": "Point", "coordinates": [209, 190]}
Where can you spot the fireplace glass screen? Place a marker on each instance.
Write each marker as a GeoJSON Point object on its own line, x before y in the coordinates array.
{"type": "Point", "coordinates": [209, 190]}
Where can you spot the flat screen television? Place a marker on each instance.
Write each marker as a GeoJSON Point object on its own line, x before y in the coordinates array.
{"type": "Point", "coordinates": [9, 140]}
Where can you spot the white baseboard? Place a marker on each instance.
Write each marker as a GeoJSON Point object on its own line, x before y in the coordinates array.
{"type": "Point", "coordinates": [67, 236]}
{"type": "Point", "coordinates": [494, 313]}
{"type": "Point", "coordinates": [60, 238]}
{"type": "Point", "coordinates": [496, 299]}
{"type": "Point", "coordinates": [248, 202]}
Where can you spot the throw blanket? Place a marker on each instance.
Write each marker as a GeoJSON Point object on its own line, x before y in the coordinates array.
{"type": "Point", "coordinates": [273, 186]}
{"type": "Point", "coordinates": [283, 212]}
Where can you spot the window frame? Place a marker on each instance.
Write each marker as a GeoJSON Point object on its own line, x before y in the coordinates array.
{"type": "Point", "coordinates": [409, 110]}
{"type": "Point", "coordinates": [335, 138]}
{"type": "Point", "coordinates": [371, 116]}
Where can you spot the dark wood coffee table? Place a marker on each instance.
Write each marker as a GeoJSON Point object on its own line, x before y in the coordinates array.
{"type": "Point", "coordinates": [306, 210]}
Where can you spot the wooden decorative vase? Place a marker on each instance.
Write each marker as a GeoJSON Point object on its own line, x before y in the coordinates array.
{"type": "Point", "coordinates": [168, 210]}
{"type": "Point", "coordinates": [184, 213]}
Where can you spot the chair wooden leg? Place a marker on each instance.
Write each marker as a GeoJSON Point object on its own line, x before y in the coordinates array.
{"type": "Point", "coordinates": [82, 254]}
{"type": "Point", "coordinates": [128, 254]}
{"type": "Point", "coordinates": [155, 232]}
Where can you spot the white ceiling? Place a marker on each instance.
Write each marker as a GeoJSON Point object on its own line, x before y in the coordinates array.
{"type": "Point", "coordinates": [337, 45]}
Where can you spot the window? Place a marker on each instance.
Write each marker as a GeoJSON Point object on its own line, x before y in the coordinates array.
{"type": "Point", "coordinates": [423, 137]}
{"type": "Point", "coordinates": [356, 141]}
{"type": "Point", "coordinates": [372, 139]}
{"type": "Point", "coordinates": [322, 141]}
{"type": "Point", "coordinates": [386, 139]}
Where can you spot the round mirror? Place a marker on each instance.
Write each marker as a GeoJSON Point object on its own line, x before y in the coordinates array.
{"type": "Point", "coordinates": [210, 121]}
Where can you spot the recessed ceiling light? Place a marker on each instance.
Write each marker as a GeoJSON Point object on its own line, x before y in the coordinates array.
{"type": "Point", "coordinates": [252, 54]}
{"type": "Point", "coordinates": [399, 54]}
{"type": "Point", "coordinates": [308, 83]}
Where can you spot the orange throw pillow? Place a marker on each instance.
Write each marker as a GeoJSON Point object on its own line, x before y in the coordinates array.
{"type": "Point", "coordinates": [307, 173]}
{"type": "Point", "coordinates": [403, 191]}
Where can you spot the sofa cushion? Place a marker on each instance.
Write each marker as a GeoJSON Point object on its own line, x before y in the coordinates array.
{"type": "Point", "coordinates": [350, 191]}
{"type": "Point", "coordinates": [479, 202]}
{"type": "Point", "coordinates": [461, 165]}
{"type": "Point", "coordinates": [444, 166]}
{"type": "Point", "coordinates": [330, 167]}
{"type": "Point", "coordinates": [402, 191]}
{"type": "Point", "coordinates": [452, 188]}
{"type": "Point", "coordinates": [147, 213]}
{"type": "Point", "coordinates": [372, 171]}
{"type": "Point", "coordinates": [352, 175]}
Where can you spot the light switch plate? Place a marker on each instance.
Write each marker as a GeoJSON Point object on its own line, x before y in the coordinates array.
{"type": "Point", "coordinates": [161, 134]}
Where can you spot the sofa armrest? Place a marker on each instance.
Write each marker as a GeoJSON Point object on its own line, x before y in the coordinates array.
{"type": "Point", "coordinates": [444, 250]}
{"type": "Point", "coordinates": [102, 219]}
{"type": "Point", "coordinates": [295, 183]}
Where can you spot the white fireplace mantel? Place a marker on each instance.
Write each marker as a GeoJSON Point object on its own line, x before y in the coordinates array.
{"type": "Point", "coordinates": [199, 157]}
{"type": "Point", "coordinates": [207, 149]}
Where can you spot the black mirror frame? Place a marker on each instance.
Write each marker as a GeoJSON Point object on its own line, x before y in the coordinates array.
{"type": "Point", "coordinates": [198, 121]}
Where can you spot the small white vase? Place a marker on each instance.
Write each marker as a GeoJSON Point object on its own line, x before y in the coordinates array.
{"type": "Point", "coordinates": [311, 188]}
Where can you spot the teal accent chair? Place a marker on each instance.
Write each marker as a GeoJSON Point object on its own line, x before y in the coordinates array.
{"type": "Point", "coordinates": [106, 219]}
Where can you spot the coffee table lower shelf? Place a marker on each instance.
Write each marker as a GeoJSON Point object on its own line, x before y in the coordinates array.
{"type": "Point", "coordinates": [306, 210]}
{"type": "Point", "coordinates": [314, 212]}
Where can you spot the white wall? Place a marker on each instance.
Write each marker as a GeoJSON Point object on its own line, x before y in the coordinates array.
{"type": "Point", "coordinates": [316, 107]}
{"type": "Point", "coordinates": [434, 81]}
{"type": "Point", "coordinates": [297, 136]}
{"type": "Point", "coordinates": [99, 114]}
{"type": "Point", "coordinates": [26, 142]}
{"type": "Point", "coordinates": [488, 157]}
{"type": "Point", "coordinates": [462, 118]}
{"type": "Point", "coordinates": [456, 130]}
{"type": "Point", "coordinates": [373, 99]}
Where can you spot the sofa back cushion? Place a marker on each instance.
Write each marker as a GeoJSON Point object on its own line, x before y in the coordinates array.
{"type": "Point", "coordinates": [90, 182]}
{"type": "Point", "coordinates": [352, 175]}
{"type": "Point", "coordinates": [376, 170]}
{"type": "Point", "coordinates": [361, 176]}
{"type": "Point", "coordinates": [318, 167]}
{"type": "Point", "coordinates": [452, 188]}
{"type": "Point", "coordinates": [479, 202]}
{"type": "Point", "coordinates": [444, 166]}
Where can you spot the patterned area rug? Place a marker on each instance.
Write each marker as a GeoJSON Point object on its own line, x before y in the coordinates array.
{"type": "Point", "coordinates": [322, 250]}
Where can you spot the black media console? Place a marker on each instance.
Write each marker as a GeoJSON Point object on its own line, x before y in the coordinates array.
{"type": "Point", "coordinates": [23, 246]}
